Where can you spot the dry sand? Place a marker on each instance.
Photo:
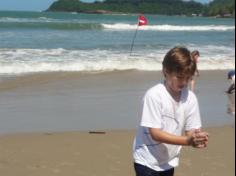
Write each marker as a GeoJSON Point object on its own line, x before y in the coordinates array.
{"type": "Point", "coordinates": [110, 154]}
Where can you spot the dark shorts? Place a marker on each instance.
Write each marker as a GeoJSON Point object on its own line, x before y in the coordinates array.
{"type": "Point", "coordinates": [145, 171]}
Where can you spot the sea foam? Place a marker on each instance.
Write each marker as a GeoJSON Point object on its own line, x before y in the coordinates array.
{"type": "Point", "coordinates": [19, 61]}
{"type": "Point", "coordinates": [167, 27]}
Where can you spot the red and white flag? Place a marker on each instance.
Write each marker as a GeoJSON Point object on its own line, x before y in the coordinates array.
{"type": "Point", "coordinates": [142, 20]}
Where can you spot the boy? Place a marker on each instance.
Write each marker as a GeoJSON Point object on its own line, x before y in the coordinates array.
{"type": "Point", "coordinates": [169, 109]}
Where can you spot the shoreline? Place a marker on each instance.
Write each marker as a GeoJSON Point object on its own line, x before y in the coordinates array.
{"type": "Point", "coordinates": [25, 79]}
{"type": "Point", "coordinates": [104, 12]}
{"type": "Point", "coordinates": [117, 13]}
{"type": "Point", "coordinates": [96, 102]}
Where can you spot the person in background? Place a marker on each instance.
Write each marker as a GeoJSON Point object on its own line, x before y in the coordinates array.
{"type": "Point", "coordinates": [231, 93]}
{"type": "Point", "coordinates": [195, 56]}
{"type": "Point", "coordinates": [170, 118]}
{"type": "Point", "coordinates": [231, 77]}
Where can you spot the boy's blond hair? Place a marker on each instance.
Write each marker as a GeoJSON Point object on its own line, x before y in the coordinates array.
{"type": "Point", "coordinates": [178, 60]}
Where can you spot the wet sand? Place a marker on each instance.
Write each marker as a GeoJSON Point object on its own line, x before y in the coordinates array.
{"type": "Point", "coordinates": [109, 154]}
{"type": "Point", "coordinates": [58, 102]}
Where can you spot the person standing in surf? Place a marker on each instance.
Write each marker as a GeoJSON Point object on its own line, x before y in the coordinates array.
{"type": "Point", "coordinates": [231, 93]}
{"type": "Point", "coordinates": [195, 56]}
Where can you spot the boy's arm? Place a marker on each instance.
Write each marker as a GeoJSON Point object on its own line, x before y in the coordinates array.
{"type": "Point", "coordinates": [193, 138]}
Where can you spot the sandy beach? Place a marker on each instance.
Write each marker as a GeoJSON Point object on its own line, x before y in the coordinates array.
{"type": "Point", "coordinates": [110, 154]}
{"type": "Point", "coordinates": [46, 119]}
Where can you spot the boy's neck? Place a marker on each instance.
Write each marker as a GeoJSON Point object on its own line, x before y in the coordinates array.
{"type": "Point", "coordinates": [175, 95]}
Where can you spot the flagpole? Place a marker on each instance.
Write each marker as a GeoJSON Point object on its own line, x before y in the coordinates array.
{"type": "Point", "coordinates": [141, 22]}
{"type": "Point", "coordinates": [132, 46]}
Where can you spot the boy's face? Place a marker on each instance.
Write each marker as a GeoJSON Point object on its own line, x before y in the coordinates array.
{"type": "Point", "coordinates": [176, 82]}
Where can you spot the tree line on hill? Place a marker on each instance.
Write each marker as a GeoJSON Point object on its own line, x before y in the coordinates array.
{"type": "Point", "coordinates": [223, 8]}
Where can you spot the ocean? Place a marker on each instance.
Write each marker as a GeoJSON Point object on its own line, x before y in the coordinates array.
{"type": "Point", "coordinates": [32, 42]}
{"type": "Point", "coordinates": [69, 71]}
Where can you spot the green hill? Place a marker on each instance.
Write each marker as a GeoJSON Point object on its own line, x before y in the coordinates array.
{"type": "Point", "coordinates": [165, 7]}
{"type": "Point", "coordinates": [168, 7]}
{"type": "Point", "coordinates": [221, 8]}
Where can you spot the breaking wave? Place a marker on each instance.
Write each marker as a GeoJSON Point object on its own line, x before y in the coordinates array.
{"type": "Point", "coordinates": [169, 27]}
{"type": "Point", "coordinates": [76, 24]}
{"type": "Point", "coordinates": [20, 61]}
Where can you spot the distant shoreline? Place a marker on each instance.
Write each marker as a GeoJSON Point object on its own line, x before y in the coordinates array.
{"type": "Point", "coordinates": [104, 12]}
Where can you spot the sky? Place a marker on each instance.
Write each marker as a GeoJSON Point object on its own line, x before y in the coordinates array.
{"type": "Point", "coordinates": [37, 5]}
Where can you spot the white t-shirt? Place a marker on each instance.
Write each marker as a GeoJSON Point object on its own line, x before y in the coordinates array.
{"type": "Point", "coordinates": [161, 111]}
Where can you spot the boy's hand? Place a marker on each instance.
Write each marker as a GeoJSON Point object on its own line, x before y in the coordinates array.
{"type": "Point", "coordinates": [199, 139]}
